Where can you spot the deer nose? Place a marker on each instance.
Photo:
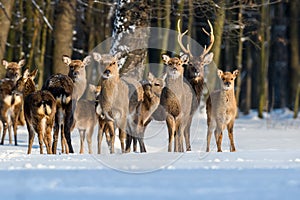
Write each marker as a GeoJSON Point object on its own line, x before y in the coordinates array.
{"type": "Point", "coordinates": [227, 84]}
{"type": "Point", "coordinates": [75, 73]}
{"type": "Point", "coordinates": [107, 72]}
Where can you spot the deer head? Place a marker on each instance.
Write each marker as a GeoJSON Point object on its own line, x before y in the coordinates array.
{"type": "Point", "coordinates": [76, 67]}
{"type": "Point", "coordinates": [13, 69]}
{"type": "Point", "coordinates": [195, 68]}
{"type": "Point", "coordinates": [227, 79]}
{"type": "Point", "coordinates": [175, 65]}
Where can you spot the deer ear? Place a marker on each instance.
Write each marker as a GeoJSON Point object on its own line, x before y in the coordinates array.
{"type": "Point", "coordinates": [66, 59]}
{"type": "Point", "coordinates": [150, 76]}
{"type": "Point", "coordinates": [236, 73]}
{"type": "Point", "coordinates": [26, 73]}
{"type": "Point", "coordinates": [21, 63]}
{"type": "Point", "coordinates": [165, 58]}
{"type": "Point", "coordinates": [220, 73]}
{"type": "Point", "coordinates": [97, 56]}
{"type": "Point", "coordinates": [118, 55]}
{"type": "Point", "coordinates": [184, 58]}
{"type": "Point", "coordinates": [87, 60]}
{"type": "Point", "coordinates": [5, 63]}
{"type": "Point", "coordinates": [208, 58]}
{"type": "Point", "coordinates": [33, 74]}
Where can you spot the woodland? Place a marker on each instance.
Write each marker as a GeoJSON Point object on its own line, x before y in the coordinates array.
{"type": "Point", "coordinates": [258, 37]}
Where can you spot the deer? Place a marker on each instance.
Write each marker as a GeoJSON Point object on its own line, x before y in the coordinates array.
{"type": "Point", "coordinates": [221, 109]}
{"type": "Point", "coordinates": [13, 72]}
{"type": "Point", "coordinates": [152, 88]}
{"type": "Point", "coordinates": [177, 100]}
{"type": "Point", "coordinates": [67, 90]}
{"type": "Point", "coordinates": [113, 104]}
{"type": "Point", "coordinates": [13, 69]}
{"type": "Point", "coordinates": [39, 109]}
{"type": "Point", "coordinates": [86, 119]}
{"type": "Point", "coordinates": [194, 70]}
{"type": "Point", "coordinates": [10, 107]}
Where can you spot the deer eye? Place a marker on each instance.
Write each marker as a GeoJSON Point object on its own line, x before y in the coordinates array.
{"type": "Point", "coordinates": [156, 84]}
{"type": "Point", "coordinates": [223, 79]}
{"type": "Point", "coordinates": [232, 79]}
{"type": "Point", "coordinates": [113, 63]}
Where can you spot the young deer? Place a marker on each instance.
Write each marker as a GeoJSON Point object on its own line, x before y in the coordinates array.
{"type": "Point", "coordinates": [152, 88]}
{"type": "Point", "coordinates": [39, 108]}
{"type": "Point", "coordinates": [13, 69]}
{"type": "Point", "coordinates": [113, 103]}
{"type": "Point", "coordinates": [66, 90]}
{"type": "Point", "coordinates": [221, 110]}
{"type": "Point", "coordinates": [13, 72]}
{"type": "Point", "coordinates": [10, 107]}
{"type": "Point", "coordinates": [86, 119]}
{"type": "Point", "coordinates": [194, 70]}
{"type": "Point", "coordinates": [177, 100]}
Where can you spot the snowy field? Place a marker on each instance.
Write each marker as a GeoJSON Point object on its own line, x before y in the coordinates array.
{"type": "Point", "coordinates": [265, 166]}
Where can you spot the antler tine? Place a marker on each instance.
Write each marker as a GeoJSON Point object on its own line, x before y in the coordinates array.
{"type": "Point", "coordinates": [212, 39]}
{"type": "Point", "coordinates": [179, 38]}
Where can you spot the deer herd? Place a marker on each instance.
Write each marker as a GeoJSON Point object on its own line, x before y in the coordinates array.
{"type": "Point", "coordinates": [120, 103]}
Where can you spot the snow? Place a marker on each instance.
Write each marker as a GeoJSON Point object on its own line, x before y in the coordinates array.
{"type": "Point", "coordinates": [265, 166]}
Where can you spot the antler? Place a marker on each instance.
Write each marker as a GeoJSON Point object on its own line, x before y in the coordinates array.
{"type": "Point", "coordinates": [179, 38]}
{"type": "Point", "coordinates": [212, 39]}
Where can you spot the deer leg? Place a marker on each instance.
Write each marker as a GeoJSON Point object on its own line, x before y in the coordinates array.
{"type": "Point", "coordinates": [30, 138]}
{"type": "Point", "coordinates": [40, 137]}
{"type": "Point", "coordinates": [142, 144]}
{"type": "Point", "coordinates": [89, 139]}
{"type": "Point", "coordinates": [82, 137]}
{"type": "Point", "coordinates": [5, 126]}
{"type": "Point", "coordinates": [9, 133]}
{"type": "Point", "coordinates": [187, 136]}
{"type": "Point", "coordinates": [69, 122]}
{"type": "Point", "coordinates": [129, 139]}
{"type": "Point", "coordinates": [134, 143]}
{"type": "Point", "coordinates": [230, 134]}
{"type": "Point", "coordinates": [15, 127]}
{"type": "Point", "coordinates": [171, 130]}
{"type": "Point", "coordinates": [122, 137]}
{"type": "Point", "coordinates": [55, 136]}
{"type": "Point", "coordinates": [112, 137]}
{"type": "Point", "coordinates": [101, 126]}
{"type": "Point", "coordinates": [48, 138]}
{"type": "Point", "coordinates": [208, 138]}
{"type": "Point", "coordinates": [62, 139]}
{"type": "Point", "coordinates": [219, 137]}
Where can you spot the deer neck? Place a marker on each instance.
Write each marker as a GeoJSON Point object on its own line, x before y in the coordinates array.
{"type": "Point", "coordinates": [29, 88]}
{"type": "Point", "coordinates": [227, 95]}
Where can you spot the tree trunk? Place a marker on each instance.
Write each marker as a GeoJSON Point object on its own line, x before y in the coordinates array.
{"type": "Point", "coordinates": [63, 34]}
{"type": "Point", "coordinates": [294, 49]}
{"type": "Point", "coordinates": [216, 49]}
{"type": "Point", "coordinates": [248, 80]}
{"type": "Point", "coordinates": [165, 37]}
{"type": "Point", "coordinates": [239, 57]}
{"type": "Point", "coordinates": [130, 36]}
{"type": "Point", "coordinates": [264, 59]}
{"type": "Point", "coordinates": [5, 20]}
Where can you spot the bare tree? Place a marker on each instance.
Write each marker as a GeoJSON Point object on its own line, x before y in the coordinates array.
{"type": "Point", "coordinates": [6, 7]}
{"type": "Point", "coordinates": [131, 36]}
{"type": "Point", "coordinates": [63, 33]}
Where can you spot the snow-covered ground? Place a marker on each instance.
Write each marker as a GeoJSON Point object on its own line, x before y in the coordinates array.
{"type": "Point", "coordinates": [265, 166]}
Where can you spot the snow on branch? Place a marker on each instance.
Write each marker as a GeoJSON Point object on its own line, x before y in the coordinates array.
{"type": "Point", "coordinates": [42, 14]}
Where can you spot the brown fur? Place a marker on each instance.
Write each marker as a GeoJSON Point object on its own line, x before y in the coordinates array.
{"type": "Point", "coordinates": [61, 87]}
{"type": "Point", "coordinates": [10, 107]}
{"type": "Point", "coordinates": [152, 88]}
{"type": "Point", "coordinates": [221, 110]}
{"type": "Point", "coordinates": [78, 74]}
{"type": "Point", "coordinates": [114, 104]}
{"type": "Point", "coordinates": [40, 108]}
{"type": "Point", "coordinates": [13, 69]}
{"type": "Point", "coordinates": [177, 99]}
{"type": "Point", "coordinates": [85, 120]}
